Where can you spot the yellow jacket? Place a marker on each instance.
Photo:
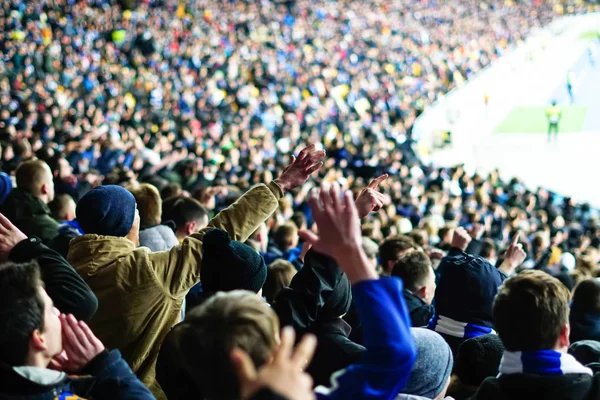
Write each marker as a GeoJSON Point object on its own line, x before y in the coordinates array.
{"type": "Point", "coordinates": [140, 293]}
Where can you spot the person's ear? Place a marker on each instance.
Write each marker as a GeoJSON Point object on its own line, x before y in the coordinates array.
{"type": "Point", "coordinates": [422, 293]}
{"type": "Point", "coordinates": [38, 341]}
{"type": "Point", "coordinates": [390, 266]}
{"type": "Point", "coordinates": [45, 189]}
{"type": "Point", "coordinates": [565, 332]}
{"type": "Point", "coordinates": [190, 227]}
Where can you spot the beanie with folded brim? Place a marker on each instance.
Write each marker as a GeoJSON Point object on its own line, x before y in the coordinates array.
{"type": "Point", "coordinates": [433, 365]}
{"type": "Point", "coordinates": [230, 265]}
{"type": "Point", "coordinates": [106, 210]}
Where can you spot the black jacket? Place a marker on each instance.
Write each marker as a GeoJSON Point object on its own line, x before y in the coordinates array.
{"type": "Point", "coordinates": [527, 387]}
{"type": "Point", "coordinates": [420, 312]}
{"type": "Point", "coordinates": [30, 215]}
{"type": "Point", "coordinates": [68, 291]}
{"type": "Point", "coordinates": [584, 326]}
{"type": "Point", "coordinates": [109, 377]}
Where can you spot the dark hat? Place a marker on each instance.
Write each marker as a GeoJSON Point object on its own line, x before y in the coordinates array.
{"type": "Point", "coordinates": [466, 288]}
{"type": "Point", "coordinates": [229, 265]}
{"type": "Point", "coordinates": [433, 365]}
{"type": "Point", "coordinates": [478, 358]}
{"type": "Point", "coordinates": [6, 186]}
{"type": "Point", "coordinates": [586, 351]}
{"type": "Point", "coordinates": [107, 210]}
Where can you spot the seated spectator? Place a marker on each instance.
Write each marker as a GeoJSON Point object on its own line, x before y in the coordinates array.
{"type": "Point", "coordinates": [27, 205]}
{"type": "Point", "coordinates": [585, 312]}
{"type": "Point", "coordinates": [188, 215]}
{"type": "Point", "coordinates": [246, 270]}
{"type": "Point", "coordinates": [63, 209]}
{"type": "Point", "coordinates": [476, 360]}
{"type": "Point", "coordinates": [153, 235]}
{"type": "Point", "coordinates": [531, 314]}
{"type": "Point", "coordinates": [430, 376]}
{"type": "Point", "coordinates": [285, 246]}
{"type": "Point", "coordinates": [466, 289]}
{"type": "Point", "coordinates": [141, 293]}
{"type": "Point", "coordinates": [34, 335]}
{"type": "Point", "coordinates": [391, 250]}
{"type": "Point", "coordinates": [414, 268]}
{"type": "Point", "coordinates": [279, 275]}
{"type": "Point", "coordinates": [234, 334]}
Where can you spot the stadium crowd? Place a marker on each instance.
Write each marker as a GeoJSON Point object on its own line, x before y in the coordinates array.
{"type": "Point", "coordinates": [167, 206]}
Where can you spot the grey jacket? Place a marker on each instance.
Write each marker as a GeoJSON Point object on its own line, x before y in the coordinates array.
{"type": "Point", "coordinates": [158, 238]}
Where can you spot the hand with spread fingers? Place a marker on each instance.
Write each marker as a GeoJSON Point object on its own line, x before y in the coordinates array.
{"type": "Point", "coordinates": [10, 236]}
{"type": "Point", "coordinates": [284, 375]}
{"type": "Point", "coordinates": [370, 199]}
{"type": "Point", "coordinates": [300, 169]}
{"type": "Point", "coordinates": [80, 346]}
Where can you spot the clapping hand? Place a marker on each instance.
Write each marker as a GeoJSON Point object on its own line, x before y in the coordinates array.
{"type": "Point", "coordinates": [285, 375]}
{"type": "Point", "coordinates": [370, 199]}
{"type": "Point", "coordinates": [300, 169]}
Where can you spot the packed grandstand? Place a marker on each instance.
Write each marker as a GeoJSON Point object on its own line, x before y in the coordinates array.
{"type": "Point", "coordinates": [165, 161]}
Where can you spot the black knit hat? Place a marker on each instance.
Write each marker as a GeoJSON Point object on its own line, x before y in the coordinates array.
{"type": "Point", "coordinates": [229, 265]}
{"type": "Point", "coordinates": [478, 358]}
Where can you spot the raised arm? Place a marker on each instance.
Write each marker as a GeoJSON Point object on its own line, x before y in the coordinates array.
{"type": "Point", "coordinates": [385, 366]}
{"type": "Point", "coordinates": [66, 288]}
{"type": "Point", "coordinates": [179, 269]}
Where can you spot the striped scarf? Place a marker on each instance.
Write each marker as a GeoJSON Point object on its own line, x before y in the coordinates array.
{"type": "Point", "coordinates": [541, 362]}
{"type": "Point", "coordinates": [450, 327]}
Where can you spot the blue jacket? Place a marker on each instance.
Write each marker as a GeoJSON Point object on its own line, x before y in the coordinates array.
{"type": "Point", "coordinates": [390, 353]}
{"type": "Point", "coordinates": [110, 378]}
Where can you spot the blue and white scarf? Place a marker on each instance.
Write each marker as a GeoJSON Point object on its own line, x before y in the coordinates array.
{"type": "Point", "coordinates": [541, 362]}
{"type": "Point", "coordinates": [450, 327]}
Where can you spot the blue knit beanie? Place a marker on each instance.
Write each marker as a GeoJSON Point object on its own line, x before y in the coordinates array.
{"type": "Point", "coordinates": [6, 186]}
{"type": "Point", "coordinates": [107, 210]}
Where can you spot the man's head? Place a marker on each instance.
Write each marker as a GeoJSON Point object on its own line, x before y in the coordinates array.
{"type": "Point", "coordinates": [63, 208]}
{"type": "Point", "coordinates": [109, 210]}
{"type": "Point", "coordinates": [531, 312]}
{"type": "Point", "coordinates": [286, 237]}
{"type": "Point", "coordinates": [392, 249]}
{"type": "Point", "coordinates": [149, 204]}
{"type": "Point", "coordinates": [30, 332]}
{"type": "Point", "coordinates": [488, 250]}
{"type": "Point", "coordinates": [34, 177]}
{"type": "Point", "coordinates": [415, 270]}
{"type": "Point", "coordinates": [188, 215]}
{"type": "Point", "coordinates": [586, 297]}
{"type": "Point", "coordinates": [204, 341]}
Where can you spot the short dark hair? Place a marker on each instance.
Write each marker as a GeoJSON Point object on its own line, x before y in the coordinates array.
{"type": "Point", "coordinates": [487, 248]}
{"type": "Point", "coordinates": [586, 297]}
{"type": "Point", "coordinates": [392, 248]}
{"type": "Point", "coordinates": [182, 210]}
{"type": "Point", "coordinates": [413, 268]}
{"type": "Point", "coordinates": [21, 310]}
{"type": "Point", "coordinates": [299, 219]}
{"type": "Point", "coordinates": [59, 206]}
{"type": "Point", "coordinates": [204, 340]}
{"type": "Point", "coordinates": [285, 235]}
{"type": "Point", "coordinates": [530, 311]}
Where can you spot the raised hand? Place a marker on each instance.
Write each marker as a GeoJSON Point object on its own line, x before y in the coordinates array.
{"type": "Point", "coordinates": [461, 239]}
{"type": "Point", "coordinates": [300, 169]}
{"type": "Point", "coordinates": [514, 257]}
{"type": "Point", "coordinates": [10, 236]}
{"type": "Point", "coordinates": [370, 199]}
{"type": "Point", "coordinates": [80, 345]}
{"type": "Point", "coordinates": [340, 235]}
{"type": "Point", "coordinates": [476, 231]}
{"type": "Point", "coordinates": [285, 375]}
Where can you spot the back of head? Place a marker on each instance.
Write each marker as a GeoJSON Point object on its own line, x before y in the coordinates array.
{"type": "Point", "coordinates": [530, 311]}
{"type": "Point", "coordinates": [478, 358]}
{"type": "Point", "coordinates": [31, 175]}
{"type": "Point", "coordinates": [393, 248]}
{"type": "Point", "coordinates": [279, 275]}
{"type": "Point", "coordinates": [488, 249]}
{"type": "Point", "coordinates": [182, 210]}
{"type": "Point", "coordinates": [431, 373]}
{"type": "Point", "coordinates": [413, 268]}
{"type": "Point", "coordinates": [21, 310]}
{"type": "Point", "coordinates": [149, 204]}
{"type": "Point", "coordinates": [107, 210]}
{"type": "Point", "coordinates": [586, 298]}
{"type": "Point", "coordinates": [62, 207]}
{"type": "Point", "coordinates": [205, 339]}
{"type": "Point", "coordinates": [245, 270]}
{"type": "Point", "coordinates": [286, 236]}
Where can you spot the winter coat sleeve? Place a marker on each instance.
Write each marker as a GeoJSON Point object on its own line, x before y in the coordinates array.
{"type": "Point", "coordinates": [114, 379]}
{"type": "Point", "coordinates": [68, 291]}
{"type": "Point", "coordinates": [386, 365]}
{"type": "Point", "coordinates": [178, 269]}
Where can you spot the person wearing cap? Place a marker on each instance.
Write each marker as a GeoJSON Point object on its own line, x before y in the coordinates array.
{"type": "Point", "coordinates": [140, 293]}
